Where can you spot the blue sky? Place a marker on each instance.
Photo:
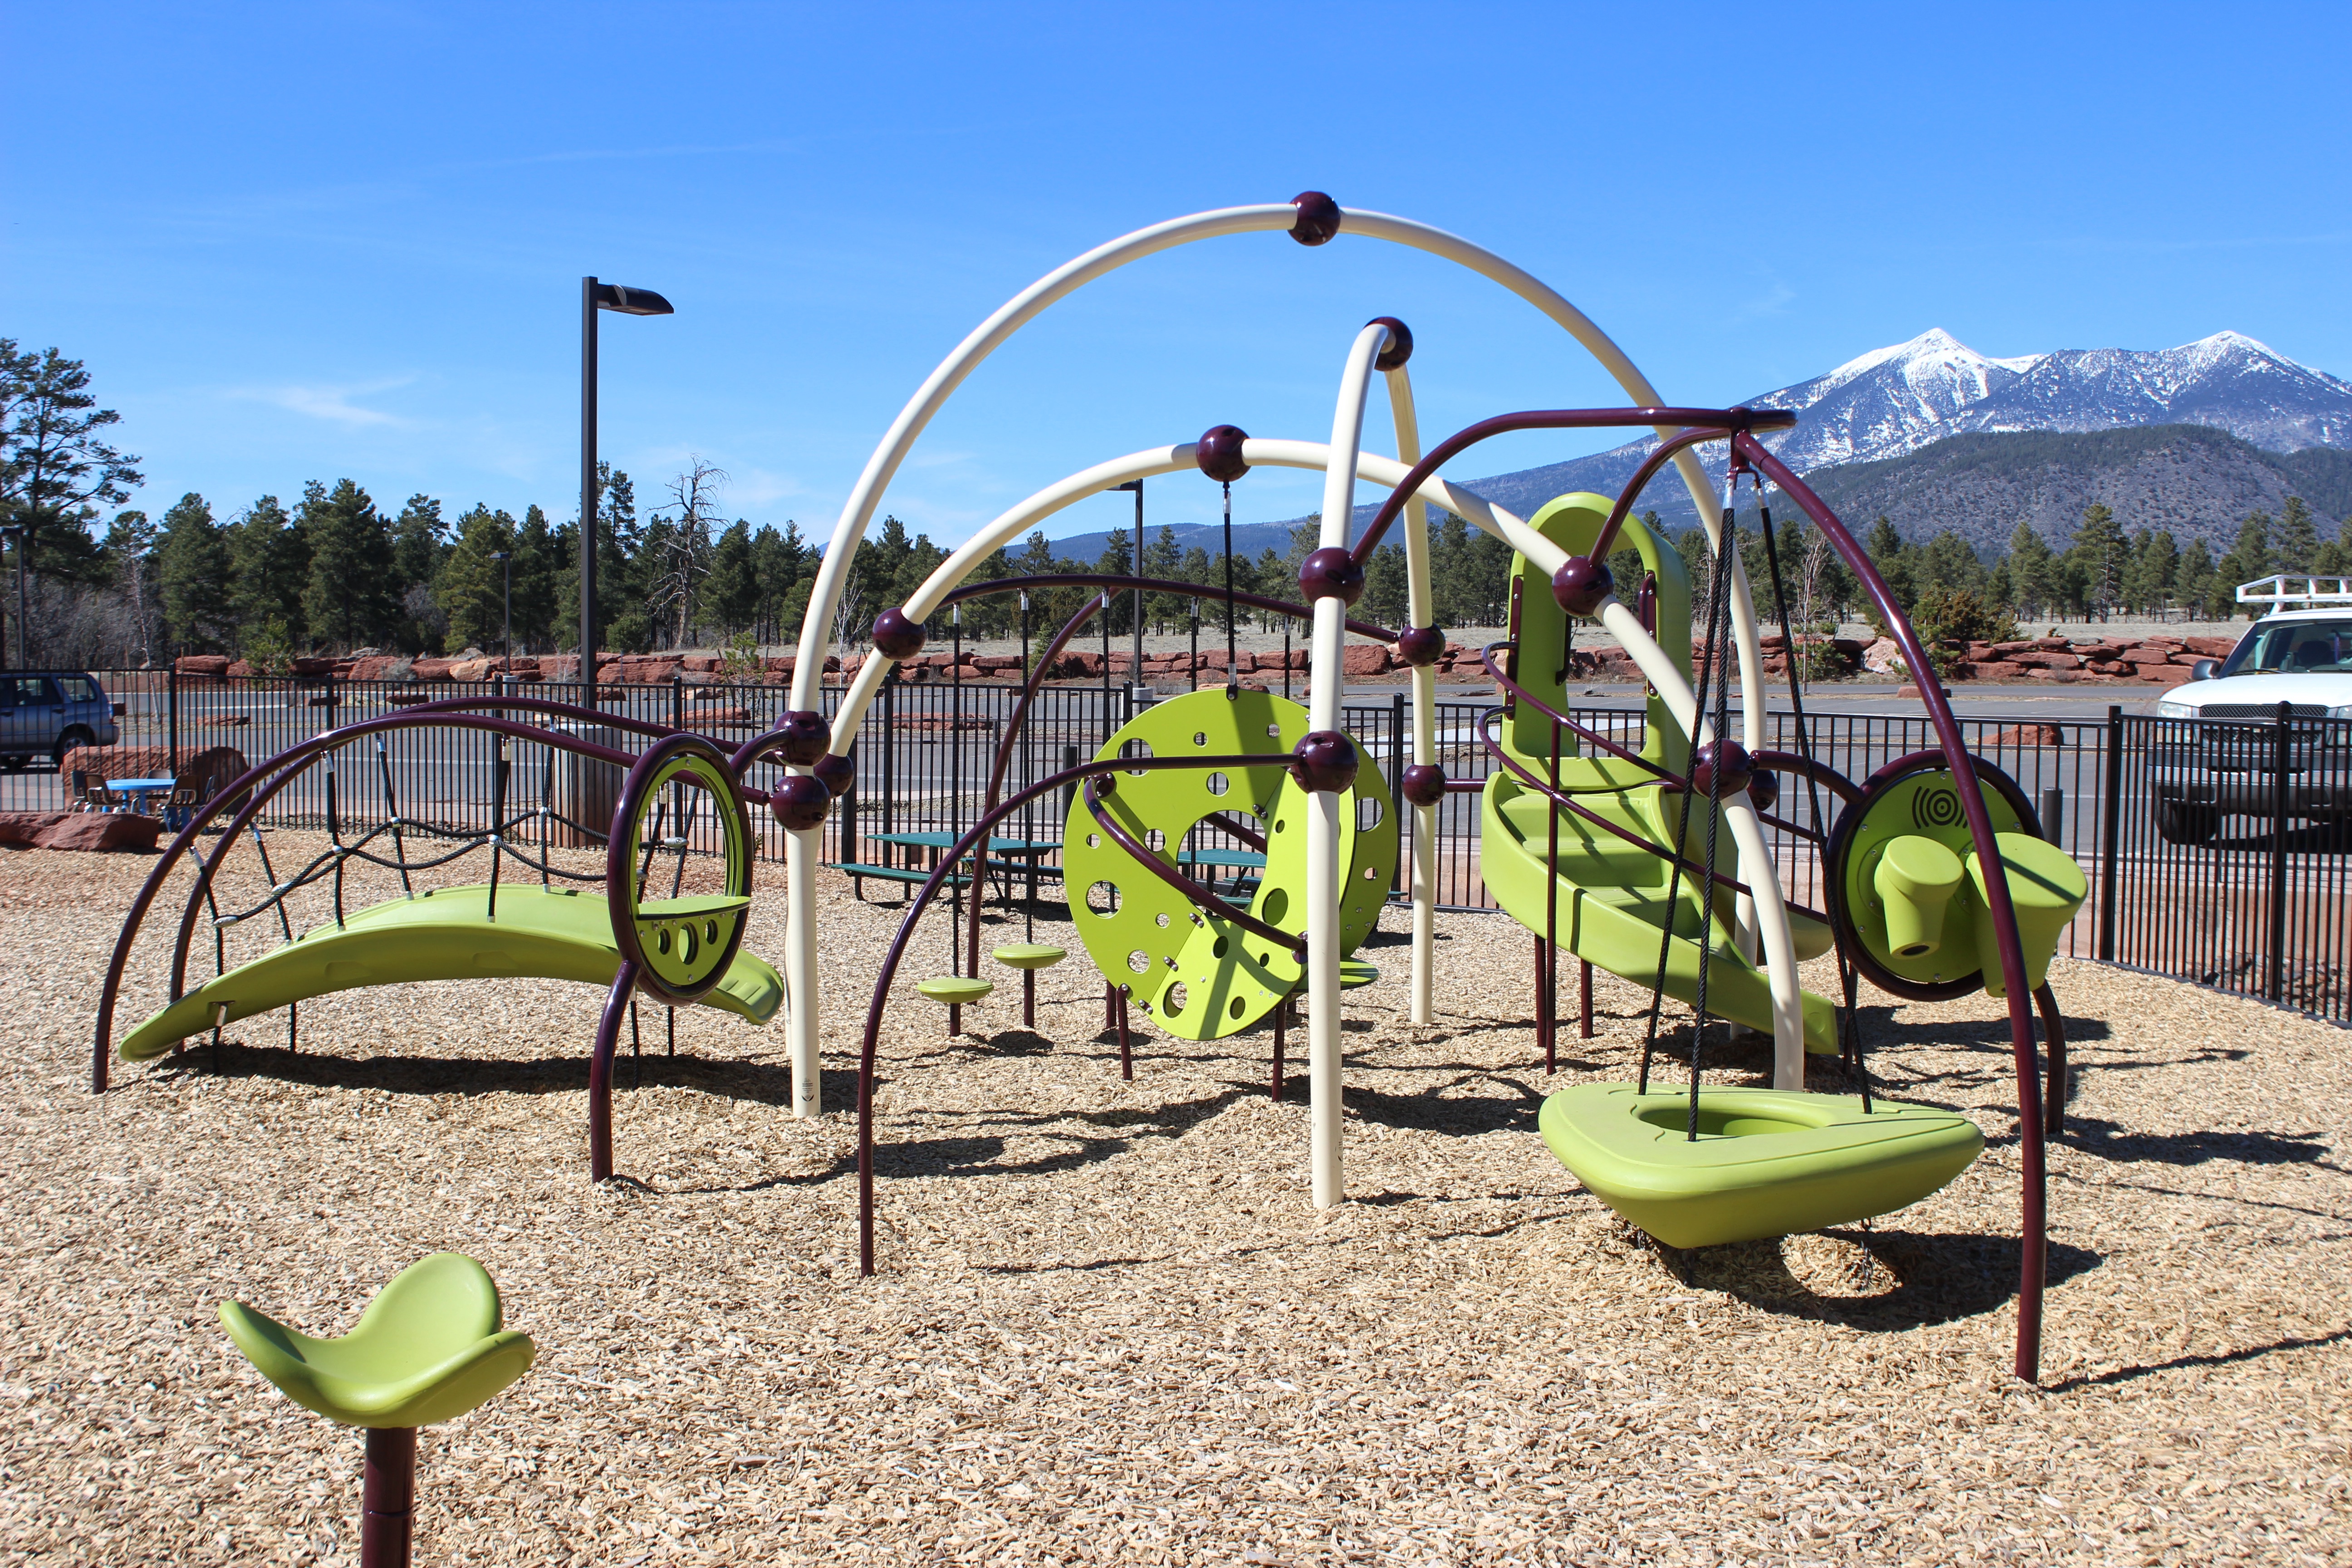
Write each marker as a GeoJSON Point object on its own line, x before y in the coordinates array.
{"type": "Point", "coordinates": [335, 240]}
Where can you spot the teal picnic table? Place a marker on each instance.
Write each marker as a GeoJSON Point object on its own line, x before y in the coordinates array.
{"type": "Point", "coordinates": [1243, 863]}
{"type": "Point", "coordinates": [1007, 856]}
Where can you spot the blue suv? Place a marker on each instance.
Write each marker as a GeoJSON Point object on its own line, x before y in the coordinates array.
{"type": "Point", "coordinates": [49, 712]}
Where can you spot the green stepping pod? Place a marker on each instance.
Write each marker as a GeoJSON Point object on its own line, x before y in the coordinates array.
{"type": "Point", "coordinates": [1201, 977]}
{"type": "Point", "coordinates": [955, 989]}
{"type": "Point", "coordinates": [1607, 903]}
{"type": "Point", "coordinates": [1028, 955]}
{"type": "Point", "coordinates": [446, 933]}
{"type": "Point", "coordinates": [428, 1347]}
{"type": "Point", "coordinates": [1766, 1162]}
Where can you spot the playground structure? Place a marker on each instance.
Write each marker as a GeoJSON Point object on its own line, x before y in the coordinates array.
{"type": "Point", "coordinates": [1609, 852]}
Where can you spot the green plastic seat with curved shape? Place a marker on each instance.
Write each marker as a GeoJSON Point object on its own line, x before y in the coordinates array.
{"type": "Point", "coordinates": [1766, 1162]}
{"type": "Point", "coordinates": [428, 1347]}
{"type": "Point", "coordinates": [955, 990]}
{"type": "Point", "coordinates": [1355, 972]}
{"type": "Point", "coordinates": [1028, 955]}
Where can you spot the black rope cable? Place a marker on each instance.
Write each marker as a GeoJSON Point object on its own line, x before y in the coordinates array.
{"type": "Point", "coordinates": [1715, 590]}
{"type": "Point", "coordinates": [1718, 659]}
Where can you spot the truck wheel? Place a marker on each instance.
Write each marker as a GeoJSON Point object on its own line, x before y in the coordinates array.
{"type": "Point", "coordinates": [77, 736]}
{"type": "Point", "coordinates": [2187, 822]}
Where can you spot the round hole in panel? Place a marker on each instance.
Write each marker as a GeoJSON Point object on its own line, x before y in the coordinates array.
{"type": "Point", "coordinates": [1200, 737]}
{"type": "Point", "coordinates": [1160, 920]}
{"type": "Point", "coordinates": [1154, 839]}
{"type": "Point", "coordinates": [1139, 961]}
{"type": "Point", "coordinates": [1237, 1007]}
{"type": "Point", "coordinates": [687, 944]}
{"type": "Point", "coordinates": [1371, 873]}
{"type": "Point", "coordinates": [1135, 751]}
{"type": "Point", "coordinates": [1172, 1000]}
{"type": "Point", "coordinates": [1094, 840]}
{"type": "Point", "coordinates": [1368, 813]}
{"type": "Point", "coordinates": [1274, 732]}
{"type": "Point", "coordinates": [1219, 950]}
{"type": "Point", "coordinates": [1280, 823]}
{"type": "Point", "coordinates": [1278, 904]}
{"type": "Point", "coordinates": [1219, 784]}
{"type": "Point", "coordinates": [1103, 899]}
{"type": "Point", "coordinates": [710, 930]}
{"type": "Point", "coordinates": [661, 938]}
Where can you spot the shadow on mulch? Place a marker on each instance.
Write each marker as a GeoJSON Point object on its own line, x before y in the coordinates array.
{"type": "Point", "coordinates": [735, 1079]}
{"type": "Point", "coordinates": [972, 1154]}
{"type": "Point", "coordinates": [2190, 1363]}
{"type": "Point", "coordinates": [2110, 1141]}
{"type": "Point", "coordinates": [1895, 1279]}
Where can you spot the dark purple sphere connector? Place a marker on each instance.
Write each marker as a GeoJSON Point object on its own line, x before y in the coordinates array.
{"type": "Point", "coordinates": [1399, 348]}
{"type": "Point", "coordinates": [836, 774]}
{"type": "Point", "coordinates": [1737, 771]}
{"type": "Point", "coordinates": [1423, 784]}
{"type": "Point", "coordinates": [1319, 218]}
{"type": "Point", "coordinates": [1331, 573]}
{"type": "Point", "coordinates": [1764, 791]}
{"type": "Point", "coordinates": [896, 636]}
{"type": "Point", "coordinates": [1580, 584]}
{"type": "Point", "coordinates": [800, 802]}
{"type": "Point", "coordinates": [1419, 647]}
{"type": "Point", "coordinates": [1219, 453]}
{"type": "Point", "coordinates": [806, 737]}
{"type": "Point", "coordinates": [1324, 762]}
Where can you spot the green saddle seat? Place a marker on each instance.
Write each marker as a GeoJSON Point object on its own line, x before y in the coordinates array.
{"type": "Point", "coordinates": [1355, 972]}
{"type": "Point", "coordinates": [1766, 1162]}
{"type": "Point", "coordinates": [428, 1347]}
{"type": "Point", "coordinates": [956, 990]}
{"type": "Point", "coordinates": [1029, 955]}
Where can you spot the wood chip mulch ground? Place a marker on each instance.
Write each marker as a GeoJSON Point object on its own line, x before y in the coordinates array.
{"type": "Point", "coordinates": [1111, 1327]}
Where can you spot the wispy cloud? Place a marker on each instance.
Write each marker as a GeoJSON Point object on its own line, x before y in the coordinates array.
{"type": "Point", "coordinates": [332, 404]}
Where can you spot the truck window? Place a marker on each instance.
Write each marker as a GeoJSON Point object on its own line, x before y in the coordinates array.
{"type": "Point", "coordinates": [2299, 648]}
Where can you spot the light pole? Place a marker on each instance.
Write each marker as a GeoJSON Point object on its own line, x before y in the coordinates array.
{"type": "Point", "coordinates": [595, 296]}
{"type": "Point", "coordinates": [505, 558]}
{"type": "Point", "coordinates": [1135, 569]}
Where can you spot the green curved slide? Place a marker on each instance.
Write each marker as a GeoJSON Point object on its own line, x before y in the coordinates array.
{"type": "Point", "coordinates": [444, 933]}
{"type": "Point", "coordinates": [1608, 904]}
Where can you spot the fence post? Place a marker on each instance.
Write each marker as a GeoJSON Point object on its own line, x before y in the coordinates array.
{"type": "Point", "coordinates": [2284, 754]}
{"type": "Point", "coordinates": [2054, 816]}
{"type": "Point", "coordinates": [172, 708]}
{"type": "Point", "coordinates": [1396, 789]}
{"type": "Point", "coordinates": [889, 753]}
{"type": "Point", "coordinates": [676, 701]}
{"type": "Point", "coordinates": [2111, 838]}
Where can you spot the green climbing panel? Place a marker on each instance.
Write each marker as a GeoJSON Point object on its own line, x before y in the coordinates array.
{"type": "Point", "coordinates": [1199, 976]}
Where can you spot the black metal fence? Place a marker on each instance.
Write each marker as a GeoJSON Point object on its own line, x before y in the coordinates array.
{"type": "Point", "coordinates": [2216, 851]}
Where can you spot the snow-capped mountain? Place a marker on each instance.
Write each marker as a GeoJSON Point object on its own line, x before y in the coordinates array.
{"type": "Point", "coordinates": [1897, 400]}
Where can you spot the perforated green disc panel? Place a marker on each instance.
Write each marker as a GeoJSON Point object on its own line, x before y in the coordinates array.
{"type": "Point", "coordinates": [1199, 976]}
{"type": "Point", "coordinates": [690, 941]}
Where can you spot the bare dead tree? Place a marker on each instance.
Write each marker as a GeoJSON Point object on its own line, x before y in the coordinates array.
{"type": "Point", "coordinates": [681, 544]}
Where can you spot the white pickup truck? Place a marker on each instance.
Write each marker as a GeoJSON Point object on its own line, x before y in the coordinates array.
{"type": "Point", "coordinates": [2226, 764]}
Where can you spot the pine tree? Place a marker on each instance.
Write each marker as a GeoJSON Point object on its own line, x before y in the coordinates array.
{"type": "Point", "coordinates": [2032, 571]}
{"type": "Point", "coordinates": [2151, 576]}
{"type": "Point", "coordinates": [54, 470]}
{"type": "Point", "coordinates": [270, 565]}
{"type": "Point", "coordinates": [619, 585]}
{"type": "Point", "coordinates": [191, 572]}
{"type": "Point", "coordinates": [472, 589]}
{"type": "Point", "coordinates": [350, 598]}
{"type": "Point", "coordinates": [2102, 552]}
{"type": "Point", "coordinates": [417, 546]}
{"type": "Point", "coordinates": [538, 565]}
{"type": "Point", "coordinates": [2249, 561]}
{"type": "Point", "coordinates": [2194, 582]}
{"type": "Point", "coordinates": [731, 594]}
{"type": "Point", "coordinates": [2298, 538]}
{"type": "Point", "coordinates": [1889, 554]}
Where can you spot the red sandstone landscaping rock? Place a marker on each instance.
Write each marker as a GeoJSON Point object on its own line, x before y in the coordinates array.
{"type": "Point", "coordinates": [1364, 659]}
{"type": "Point", "coordinates": [215, 665]}
{"type": "Point", "coordinates": [2047, 659]}
{"type": "Point", "coordinates": [2145, 655]}
{"type": "Point", "coordinates": [2212, 647]}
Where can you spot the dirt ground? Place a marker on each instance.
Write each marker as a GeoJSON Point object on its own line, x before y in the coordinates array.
{"type": "Point", "coordinates": [1111, 1327]}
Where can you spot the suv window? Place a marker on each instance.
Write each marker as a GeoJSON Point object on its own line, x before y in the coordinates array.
{"type": "Point", "coordinates": [27, 691]}
{"type": "Point", "coordinates": [2294, 647]}
{"type": "Point", "coordinates": [79, 688]}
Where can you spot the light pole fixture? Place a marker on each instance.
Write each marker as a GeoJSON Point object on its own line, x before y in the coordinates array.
{"type": "Point", "coordinates": [625, 301]}
{"type": "Point", "coordinates": [505, 558]}
{"type": "Point", "coordinates": [1135, 569]}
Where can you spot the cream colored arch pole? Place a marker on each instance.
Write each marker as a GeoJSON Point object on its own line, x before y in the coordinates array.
{"type": "Point", "coordinates": [801, 999]}
{"type": "Point", "coordinates": [1420, 610]}
{"type": "Point", "coordinates": [1327, 666]}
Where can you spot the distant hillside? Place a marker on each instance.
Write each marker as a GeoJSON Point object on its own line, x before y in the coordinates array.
{"type": "Point", "coordinates": [1249, 540]}
{"type": "Point", "coordinates": [2194, 481]}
